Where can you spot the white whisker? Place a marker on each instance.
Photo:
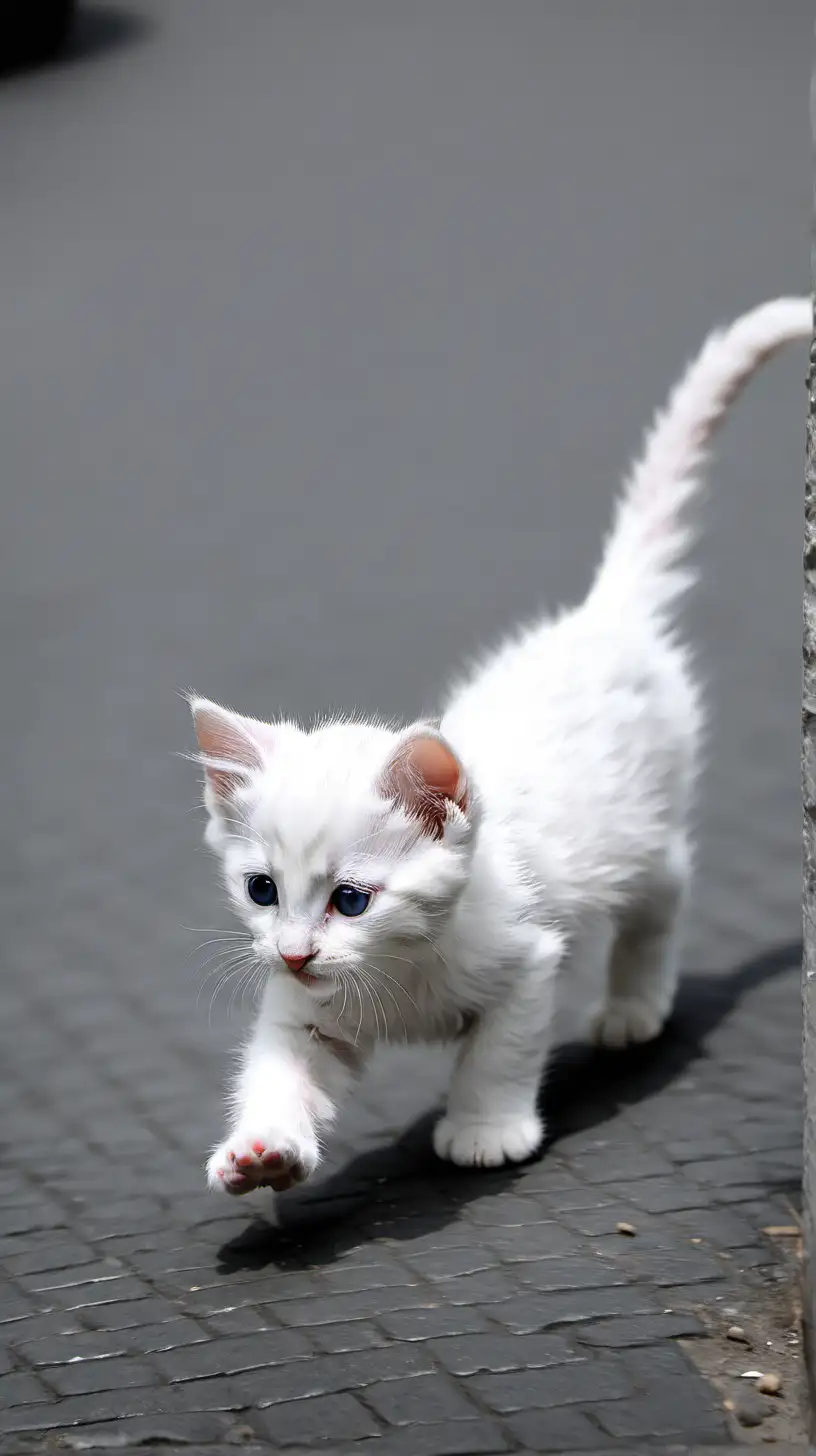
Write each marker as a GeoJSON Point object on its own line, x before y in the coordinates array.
{"type": "Point", "coordinates": [376, 1003]}
{"type": "Point", "coordinates": [356, 986]}
{"type": "Point", "coordinates": [399, 987]}
{"type": "Point", "coordinates": [222, 959]}
{"type": "Point", "coordinates": [396, 1003]}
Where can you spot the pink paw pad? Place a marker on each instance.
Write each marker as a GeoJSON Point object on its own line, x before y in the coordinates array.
{"type": "Point", "coordinates": [271, 1159]}
{"type": "Point", "coordinates": [256, 1163]}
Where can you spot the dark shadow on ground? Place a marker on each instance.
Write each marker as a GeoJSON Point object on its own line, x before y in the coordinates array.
{"type": "Point", "coordinates": [404, 1191]}
{"type": "Point", "coordinates": [95, 32]}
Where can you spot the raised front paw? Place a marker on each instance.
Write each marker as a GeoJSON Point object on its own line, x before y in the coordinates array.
{"type": "Point", "coordinates": [269, 1159]}
{"type": "Point", "coordinates": [489, 1143]}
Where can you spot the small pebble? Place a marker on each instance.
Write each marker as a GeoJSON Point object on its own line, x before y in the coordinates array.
{"type": "Point", "coordinates": [736, 1332]}
{"type": "Point", "coordinates": [626, 1228]}
{"type": "Point", "coordinates": [769, 1384]}
{"type": "Point", "coordinates": [749, 1410]}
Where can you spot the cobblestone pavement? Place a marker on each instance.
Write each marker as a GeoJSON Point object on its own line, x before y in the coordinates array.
{"type": "Point", "coordinates": [280, 285]}
{"type": "Point", "coordinates": [419, 1309]}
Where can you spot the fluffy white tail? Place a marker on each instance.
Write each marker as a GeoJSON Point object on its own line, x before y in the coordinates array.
{"type": "Point", "coordinates": [650, 536]}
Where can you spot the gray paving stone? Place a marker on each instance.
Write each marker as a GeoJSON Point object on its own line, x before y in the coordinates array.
{"type": "Point", "coordinates": [602, 1164]}
{"type": "Point", "coordinates": [102, 1407]}
{"type": "Point", "coordinates": [467, 1354]}
{"type": "Point", "coordinates": [506, 1211]}
{"type": "Point", "coordinates": [316, 1422]}
{"type": "Point", "coordinates": [653, 1231]}
{"type": "Point", "coordinates": [456, 1438]}
{"type": "Point", "coordinates": [37, 1326]}
{"type": "Point", "coordinates": [575, 1383]}
{"type": "Point", "coordinates": [108, 1295]}
{"type": "Point", "coordinates": [659, 1417]}
{"type": "Point", "coordinates": [49, 1256]}
{"type": "Point", "coordinates": [428, 1322]}
{"type": "Point", "coordinates": [101, 1276]}
{"type": "Point", "coordinates": [306, 1378]}
{"type": "Point", "coordinates": [361, 1304]}
{"type": "Point", "coordinates": [31, 1218]}
{"type": "Point", "coordinates": [720, 1228]}
{"type": "Point", "coordinates": [488, 1286]}
{"type": "Point", "coordinates": [366, 1276]}
{"type": "Point", "coordinates": [129, 1314]}
{"type": "Point", "coordinates": [89, 1376]}
{"type": "Point", "coordinates": [663, 1195]}
{"type": "Point", "coordinates": [15, 1309]}
{"type": "Point", "coordinates": [674, 1400]}
{"type": "Point", "coordinates": [532, 1242]}
{"type": "Point", "coordinates": [60, 1349]}
{"type": "Point", "coordinates": [20, 1388]}
{"type": "Point", "coordinates": [638, 1330]}
{"type": "Point", "coordinates": [164, 1433]}
{"type": "Point", "coordinates": [447, 1263]}
{"type": "Point", "coordinates": [664, 1268]}
{"type": "Point", "coordinates": [736, 1171]}
{"type": "Point", "coordinates": [529, 1313]}
{"type": "Point", "coordinates": [243, 1320]}
{"type": "Point", "coordinates": [422, 1400]}
{"type": "Point", "coordinates": [358, 1335]}
{"type": "Point", "coordinates": [561, 1430]}
{"type": "Point", "coordinates": [758, 1257]}
{"type": "Point", "coordinates": [739, 1193]}
{"type": "Point", "coordinates": [588, 1272]}
{"type": "Point", "coordinates": [229, 1356]}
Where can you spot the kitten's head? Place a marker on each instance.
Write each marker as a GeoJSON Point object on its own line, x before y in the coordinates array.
{"type": "Point", "coordinates": [335, 843]}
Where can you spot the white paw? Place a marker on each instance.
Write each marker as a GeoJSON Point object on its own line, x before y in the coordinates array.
{"type": "Point", "coordinates": [269, 1159]}
{"type": "Point", "coordinates": [626, 1020]}
{"type": "Point", "coordinates": [487, 1144]}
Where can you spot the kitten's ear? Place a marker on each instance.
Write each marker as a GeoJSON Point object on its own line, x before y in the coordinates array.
{"type": "Point", "coordinates": [426, 777]}
{"type": "Point", "coordinates": [229, 746]}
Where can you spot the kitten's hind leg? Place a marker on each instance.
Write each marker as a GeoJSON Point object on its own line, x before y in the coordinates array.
{"type": "Point", "coordinates": [644, 965]}
{"type": "Point", "coordinates": [492, 1116]}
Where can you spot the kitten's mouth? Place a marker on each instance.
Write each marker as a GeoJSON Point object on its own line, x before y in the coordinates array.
{"type": "Point", "coordinates": [321, 981]}
{"type": "Point", "coordinates": [323, 987]}
{"type": "Point", "coordinates": [306, 978]}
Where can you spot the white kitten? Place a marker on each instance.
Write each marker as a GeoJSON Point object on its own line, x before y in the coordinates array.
{"type": "Point", "coordinates": [435, 882]}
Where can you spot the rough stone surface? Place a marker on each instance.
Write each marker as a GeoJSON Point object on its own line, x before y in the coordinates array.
{"type": "Point", "coordinates": [327, 330]}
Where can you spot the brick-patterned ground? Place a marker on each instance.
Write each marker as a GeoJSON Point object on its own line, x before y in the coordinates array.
{"type": "Point", "coordinates": [403, 1306]}
{"type": "Point", "coordinates": [325, 331]}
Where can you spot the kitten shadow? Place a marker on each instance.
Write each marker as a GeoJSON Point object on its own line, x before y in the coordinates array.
{"type": "Point", "coordinates": [96, 30]}
{"type": "Point", "coordinates": [404, 1191]}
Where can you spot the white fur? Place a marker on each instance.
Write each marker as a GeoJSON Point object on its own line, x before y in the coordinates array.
{"type": "Point", "coordinates": [577, 743]}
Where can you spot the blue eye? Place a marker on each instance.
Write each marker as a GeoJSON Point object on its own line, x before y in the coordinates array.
{"type": "Point", "coordinates": [262, 890]}
{"type": "Point", "coordinates": [348, 900]}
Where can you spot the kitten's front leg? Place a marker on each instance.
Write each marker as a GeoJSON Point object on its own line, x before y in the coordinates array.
{"type": "Point", "coordinates": [492, 1116]}
{"type": "Point", "coordinates": [286, 1093]}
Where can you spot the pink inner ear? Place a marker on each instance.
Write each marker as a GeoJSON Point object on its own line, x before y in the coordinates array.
{"type": "Point", "coordinates": [425, 775]}
{"type": "Point", "coordinates": [227, 746]}
{"type": "Point", "coordinates": [435, 765]}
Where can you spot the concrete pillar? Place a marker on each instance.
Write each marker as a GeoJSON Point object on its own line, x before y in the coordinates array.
{"type": "Point", "coordinates": [809, 896]}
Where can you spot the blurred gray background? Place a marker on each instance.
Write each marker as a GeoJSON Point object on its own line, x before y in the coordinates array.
{"type": "Point", "coordinates": [327, 330]}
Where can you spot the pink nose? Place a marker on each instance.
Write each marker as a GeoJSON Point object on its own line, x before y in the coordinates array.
{"type": "Point", "coordinates": [296, 963]}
